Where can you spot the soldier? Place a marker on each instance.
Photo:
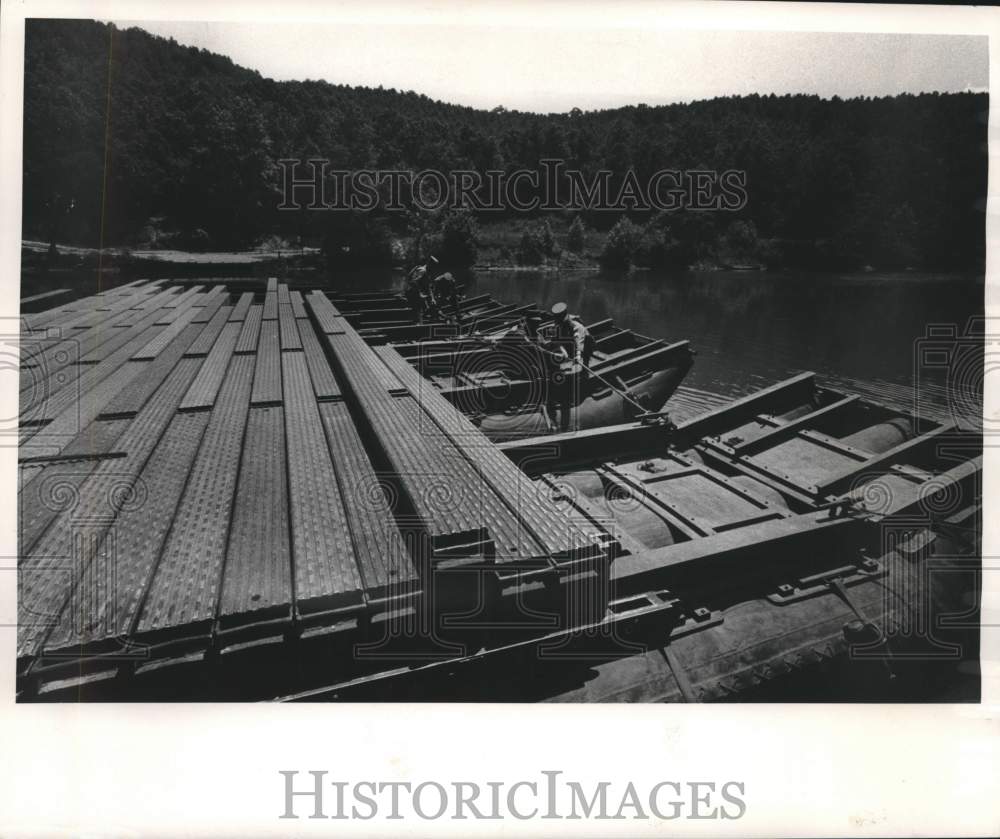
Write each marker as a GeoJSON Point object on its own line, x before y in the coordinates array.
{"type": "Point", "coordinates": [571, 336]}
{"type": "Point", "coordinates": [418, 291]}
{"type": "Point", "coordinates": [567, 340]}
{"type": "Point", "coordinates": [446, 293]}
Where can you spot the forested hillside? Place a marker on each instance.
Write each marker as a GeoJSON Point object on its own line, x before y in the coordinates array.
{"type": "Point", "coordinates": [127, 135]}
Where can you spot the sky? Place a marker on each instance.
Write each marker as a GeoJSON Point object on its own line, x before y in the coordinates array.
{"type": "Point", "coordinates": [547, 69]}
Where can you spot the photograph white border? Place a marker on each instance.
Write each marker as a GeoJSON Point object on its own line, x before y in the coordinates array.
{"type": "Point", "coordinates": [212, 769]}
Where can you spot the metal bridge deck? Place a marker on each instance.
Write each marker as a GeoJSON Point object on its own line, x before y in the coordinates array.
{"type": "Point", "coordinates": [204, 462]}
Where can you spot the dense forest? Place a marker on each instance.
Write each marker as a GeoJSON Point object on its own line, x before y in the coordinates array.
{"type": "Point", "coordinates": [134, 139]}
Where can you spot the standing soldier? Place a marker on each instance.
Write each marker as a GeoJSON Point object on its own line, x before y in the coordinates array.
{"type": "Point", "coordinates": [567, 339]}
{"type": "Point", "coordinates": [418, 289]}
{"type": "Point", "coordinates": [445, 291]}
{"type": "Point", "coordinates": [572, 336]}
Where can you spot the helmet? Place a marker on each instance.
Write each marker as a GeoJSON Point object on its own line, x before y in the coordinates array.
{"type": "Point", "coordinates": [559, 310]}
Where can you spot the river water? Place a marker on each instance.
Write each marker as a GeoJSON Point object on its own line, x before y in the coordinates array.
{"type": "Point", "coordinates": [909, 340]}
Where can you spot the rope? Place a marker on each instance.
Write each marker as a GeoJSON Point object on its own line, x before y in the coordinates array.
{"type": "Point", "coordinates": [622, 393]}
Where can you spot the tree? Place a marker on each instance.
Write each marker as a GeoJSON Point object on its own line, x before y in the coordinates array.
{"type": "Point", "coordinates": [622, 244]}
{"type": "Point", "coordinates": [454, 239]}
{"type": "Point", "coordinates": [576, 236]}
{"type": "Point", "coordinates": [537, 243]}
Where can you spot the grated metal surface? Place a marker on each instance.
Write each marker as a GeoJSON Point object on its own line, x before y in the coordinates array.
{"type": "Point", "coordinates": [136, 542]}
{"type": "Point", "coordinates": [67, 424]}
{"type": "Point", "coordinates": [289, 329]}
{"type": "Point", "coordinates": [283, 298]}
{"type": "Point", "coordinates": [325, 570]}
{"type": "Point", "coordinates": [208, 309]}
{"type": "Point", "coordinates": [267, 377]}
{"type": "Point", "coordinates": [251, 331]}
{"type": "Point", "coordinates": [65, 392]}
{"type": "Point", "coordinates": [133, 396]}
{"type": "Point", "coordinates": [326, 314]}
{"type": "Point", "coordinates": [443, 487]}
{"type": "Point", "coordinates": [48, 573]}
{"type": "Point", "coordinates": [100, 437]}
{"type": "Point", "coordinates": [172, 309]}
{"type": "Point", "coordinates": [242, 306]}
{"type": "Point", "coordinates": [257, 575]}
{"type": "Point", "coordinates": [45, 489]}
{"type": "Point", "coordinates": [41, 486]}
{"type": "Point", "coordinates": [160, 342]}
{"type": "Point", "coordinates": [107, 310]}
{"type": "Point", "coordinates": [206, 386]}
{"type": "Point", "coordinates": [97, 346]}
{"type": "Point", "coordinates": [529, 500]}
{"type": "Point", "coordinates": [361, 354]}
{"type": "Point", "coordinates": [55, 355]}
{"type": "Point", "coordinates": [186, 584]}
{"type": "Point", "coordinates": [185, 297]}
{"type": "Point", "coordinates": [298, 306]}
{"type": "Point", "coordinates": [380, 552]}
{"type": "Point", "coordinates": [207, 338]}
{"type": "Point", "coordinates": [324, 383]}
{"type": "Point", "coordinates": [270, 306]}
{"type": "Point", "coordinates": [157, 301]}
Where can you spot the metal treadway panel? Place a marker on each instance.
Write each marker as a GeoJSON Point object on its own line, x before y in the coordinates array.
{"type": "Point", "coordinates": [324, 383]}
{"type": "Point", "coordinates": [47, 574]}
{"type": "Point", "coordinates": [298, 306]}
{"type": "Point", "coordinates": [257, 578]}
{"type": "Point", "coordinates": [363, 354]}
{"type": "Point", "coordinates": [173, 308]}
{"type": "Point", "coordinates": [325, 312]}
{"type": "Point", "coordinates": [206, 386]}
{"type": "Point", "coordinates": [65, 425]}
{"type": "Point", "coordinates": [379, 548]}
{"type": "Point", "coordinates": [242, 306]}
{"type": "Point", "coordinates": [186, 584]}
{"type": "Point", "coordinates": [267, 378]}
{"type": "Point", "coordinates": [529, 499]}
{"type": "Point", "coordinates": [51, 402]}
{"type": "Point", "coordinates": [133, 396]}
{"type": "Point", "coordinates": [250, 332]}
{"type": "Point", "coordinates": [184, 297]}
{"type": "Point", "coordinates": [208, 310]}
{"type": "Point", "coordinates": [289, 329]}
{"type": "Point", "coordinates": [270, 306]}
{"type": "Point", "coordinates": [97, 344]}
{"type": "Point", "coordinates": [325, 571]}
{"type": "Point", "coordinates": [445, 490]}
{"type": "Point", "coordinates": [46, 490]}
{"type": "Point", "coordinates": [160, 342]}
{"type": "Point", "coordinates": [138, 536]}
{"type": "Point", "coordinates": [97, 347]}
{"type": "Point", "coordinates": [205, 341]}
{"type": "Point", "coordinates": [156, 301]}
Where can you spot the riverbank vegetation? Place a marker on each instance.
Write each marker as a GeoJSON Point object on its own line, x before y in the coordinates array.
{"type": "Point", "coordinates": [135, 140]}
